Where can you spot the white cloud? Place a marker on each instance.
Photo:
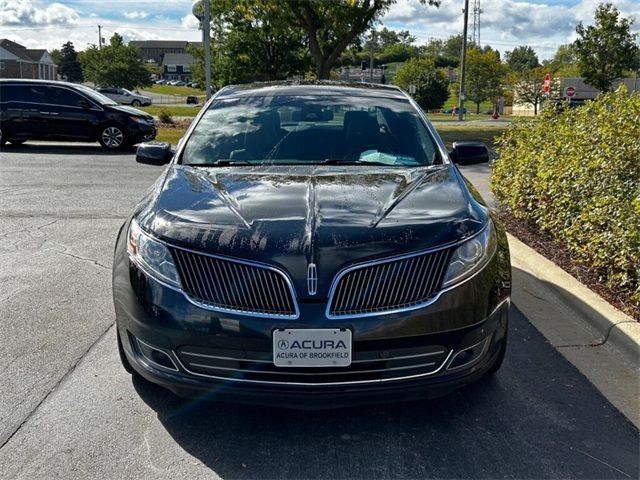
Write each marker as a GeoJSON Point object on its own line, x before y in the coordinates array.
{"type": "Point", "coordinates": [136, 14]}
{"type": "Point", "coordinates": [190, 21]}
{"type": "Point", "coordinates": [24, 13]}
{"type": "Point", "coordinates": [504, 23]}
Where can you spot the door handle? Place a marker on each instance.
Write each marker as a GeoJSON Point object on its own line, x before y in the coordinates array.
{"type": "Point", "coordinates": [45, 113]}
{"type": "Point", "coordinates": [53, 113]}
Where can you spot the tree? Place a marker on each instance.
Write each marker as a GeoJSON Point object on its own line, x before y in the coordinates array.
{"type": "Point", "coordinates": [331, 26]}
{"type": "Point", "coordinates": [432, 86]}
{"type": "Point", "coordinates": [117, 64]}
{"type": "Point", "coordinates": [528, 87]}
{"type": "Point", "coordinates": [69, 66]}
{"type": "Point", "coordinates": [564, 62]}
{"type": "Point", "coordinates": [484, 76]}
{"type": "Point", "coordinates": [252, 41]}
{"type": "Point", "coordinates": [522, 59]}
{"type": "Point", "coordinates": [607, 48]}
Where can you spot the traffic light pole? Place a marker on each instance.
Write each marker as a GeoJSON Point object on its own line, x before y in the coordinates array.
{"type": "Point", "coordinates": [463, 59]}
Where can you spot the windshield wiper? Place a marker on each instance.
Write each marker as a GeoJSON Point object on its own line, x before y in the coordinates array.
{"type": "Point", "coordinates": [221, 163]}
{"type": "Point", "coordinates": [337, 161]}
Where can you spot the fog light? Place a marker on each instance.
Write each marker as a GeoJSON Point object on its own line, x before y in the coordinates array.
{"type": "Point", "coordinates": [468, 355]}
{"type": "Point", "coordinates": [155, 356]}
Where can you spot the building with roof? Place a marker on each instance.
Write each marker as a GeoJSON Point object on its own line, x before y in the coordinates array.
{"type": "Point", "coordinates": [177, 66]}
{"type": "Point", "coordinates": [154, 50]}
{"type": "Point", "coordinates": [17, 61]}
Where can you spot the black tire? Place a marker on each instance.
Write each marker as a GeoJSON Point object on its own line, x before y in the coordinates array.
{"type": "Point", "coordinates": [123, 357]}
{"type": "Point", "coordinates": [500, 358]}
{"type": "Point", "coordinates": [113, 137]}
{"type": "Point", "coordinates": [16, 143]}
{"type": "Point", "coordinates": [136, 103]}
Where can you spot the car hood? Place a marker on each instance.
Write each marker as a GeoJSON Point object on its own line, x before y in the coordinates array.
{"type": "Point", "coordinates": [329, 215]}
{"type": "Point", "coordinates": [131, 111]}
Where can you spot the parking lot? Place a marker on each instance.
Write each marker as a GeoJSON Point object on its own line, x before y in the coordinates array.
{"type": "Point", "coordinates": [68, 409]}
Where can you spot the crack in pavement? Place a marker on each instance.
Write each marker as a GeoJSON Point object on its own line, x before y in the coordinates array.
{"type": "Point", "coordinates": [73, 255]}
{"type": "Point", "coordinates": [57, 384]}
{"type": "Point", "coordinates": [597, 344]}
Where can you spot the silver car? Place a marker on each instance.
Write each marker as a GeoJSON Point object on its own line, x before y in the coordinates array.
{"type": "Point", "coordinates": [124, 96]}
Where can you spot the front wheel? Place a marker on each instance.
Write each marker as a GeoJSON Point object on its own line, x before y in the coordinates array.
{"type": "Point", "coordinates": [136, 103]}
{"type": "Point", "coordinates": [123, 357]}
{"type": "Point", "coordinates": [500, 358]}
{"type": "Point", "coordinates": [112, 137]}
{"type": "Point", "coordinates": [16, 143]}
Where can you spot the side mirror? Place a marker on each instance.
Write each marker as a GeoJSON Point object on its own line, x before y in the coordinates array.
{"type": "Point", "coordinates": [469, 153]}
{"type": "Point", "coordinates": [84, 104]}
{"type": "Point", "coordinates": [154, 153]}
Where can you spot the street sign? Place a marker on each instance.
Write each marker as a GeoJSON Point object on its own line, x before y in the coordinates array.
{"type": "Point", "coordinates": [547, 83]}
{"type": "Point", "coordinates": [569, 91]}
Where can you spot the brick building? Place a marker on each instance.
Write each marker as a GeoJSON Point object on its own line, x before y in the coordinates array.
{"type": "Point", "coordinates": [17, 61]}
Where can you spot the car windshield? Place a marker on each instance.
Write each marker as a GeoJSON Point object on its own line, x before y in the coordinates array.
{"type": "Point", "coordinates": [96, 96]}
{"type": "Point", "coordinates": [311, 129]}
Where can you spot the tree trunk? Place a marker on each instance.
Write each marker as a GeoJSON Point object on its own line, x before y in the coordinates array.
{"type": "Point", "coordinates": [477, 108]}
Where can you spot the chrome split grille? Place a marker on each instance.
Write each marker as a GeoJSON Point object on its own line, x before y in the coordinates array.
{"type": "Point", "coordinates": [235, 286]}
{"type": "Point", "coordinates": [367, 366]}
{"type": "Point", "coordinates": [388, 284]}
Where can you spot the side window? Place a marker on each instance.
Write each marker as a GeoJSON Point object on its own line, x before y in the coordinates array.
{"type": "Point", "coordinates": [63, 96]}
{"type": "Point", "coordinates": [36, 94]}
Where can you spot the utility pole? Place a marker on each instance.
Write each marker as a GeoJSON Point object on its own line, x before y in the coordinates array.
{"type": "Point", "coordinates": [207, 47]}
{"type": "Point", "coordinates": [372, 46]}
{"type": "Point", "coordinates": [100, 37]}
{"type": "Point", "coordinates": [463, 59]}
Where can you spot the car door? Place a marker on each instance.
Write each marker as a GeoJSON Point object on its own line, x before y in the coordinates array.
{"type": "Point", "coordinates": [12, 121]}
{"type": "Point", "coordinates": [35, 111]}
{"type": "Point", "coordinates": [71, 115]}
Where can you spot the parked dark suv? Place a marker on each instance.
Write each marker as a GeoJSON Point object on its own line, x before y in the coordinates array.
{"type": "Point", "coordinates": [42, 110]}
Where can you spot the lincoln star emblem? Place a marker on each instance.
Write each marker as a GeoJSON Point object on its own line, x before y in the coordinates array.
{"type": "Point", "coordinates": [312, 279]}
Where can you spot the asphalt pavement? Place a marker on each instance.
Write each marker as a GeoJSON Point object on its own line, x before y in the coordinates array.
{"type": "Point", "coordinates": [68, 409]}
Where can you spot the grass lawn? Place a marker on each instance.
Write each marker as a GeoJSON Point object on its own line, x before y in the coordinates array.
{"type": "Point", "coordinates": [171, 90]}
{"type": "Point", "coordinates": [171, 135]}
{"type": "Point", "coordinates": [485, 134]}
{"type": "Point", "coordinates": [174, 110]}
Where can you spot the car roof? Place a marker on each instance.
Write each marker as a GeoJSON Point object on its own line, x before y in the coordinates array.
{"type": "Point", "coordinates": [322, 87]}
{"type": "Point", "coordinates": [39, 82]}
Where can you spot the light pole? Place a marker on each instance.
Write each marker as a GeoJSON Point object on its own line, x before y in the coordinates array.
{"type": "Point", "coordinates": [206, 40]}
{"type": "Point", "coordinates": [463, 59]}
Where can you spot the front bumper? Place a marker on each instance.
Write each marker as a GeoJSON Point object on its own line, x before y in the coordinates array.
{"type": "Point", "coordinates": [475, 312]}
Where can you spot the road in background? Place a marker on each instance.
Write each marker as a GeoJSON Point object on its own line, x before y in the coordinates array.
{"type": "Point", "coordinates": [68, 409]}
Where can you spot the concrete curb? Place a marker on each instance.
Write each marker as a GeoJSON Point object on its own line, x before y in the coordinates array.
{"type": "Point", "coordinates": [614, 326]}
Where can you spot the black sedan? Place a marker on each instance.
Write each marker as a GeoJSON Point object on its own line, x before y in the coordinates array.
{"type": "Point", "coordinates": [312, 246]}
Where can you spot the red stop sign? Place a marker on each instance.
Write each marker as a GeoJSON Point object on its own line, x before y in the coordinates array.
{"type": "Point", "coordinates": [547, 83]}
{"type": "Point", "coordinates": [570, 91]}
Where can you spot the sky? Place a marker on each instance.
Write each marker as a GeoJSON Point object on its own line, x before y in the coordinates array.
{"type": "Point", "coordinates": [504, 24]}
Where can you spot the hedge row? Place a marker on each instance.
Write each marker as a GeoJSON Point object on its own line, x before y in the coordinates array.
{"type": "Point", "coordinates": [577, 176]}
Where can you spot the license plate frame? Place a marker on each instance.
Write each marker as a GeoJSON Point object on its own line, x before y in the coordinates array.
{"type": "Point", "coordinates": [312, 347]}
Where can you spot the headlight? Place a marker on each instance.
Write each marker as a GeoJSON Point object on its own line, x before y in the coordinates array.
{"type": "Point", "coordinates": [151, 256]}
{"type": "Point", "coordinates": [471, 256]}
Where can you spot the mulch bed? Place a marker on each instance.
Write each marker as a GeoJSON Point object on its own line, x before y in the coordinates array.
{"type": "Point", "coordinates": [559, 254]}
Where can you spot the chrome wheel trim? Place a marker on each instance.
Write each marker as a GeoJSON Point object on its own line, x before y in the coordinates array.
{"type": "Point", "coordinates": [112, 137]}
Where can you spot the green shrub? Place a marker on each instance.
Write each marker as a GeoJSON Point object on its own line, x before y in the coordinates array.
{"type": "Point", "coordinates": [577, 176]}
{"type": "Point", "coordinates": [165, 116]}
